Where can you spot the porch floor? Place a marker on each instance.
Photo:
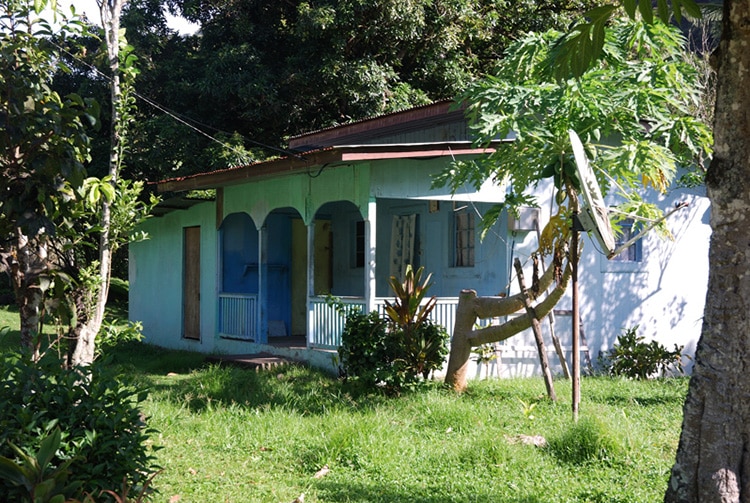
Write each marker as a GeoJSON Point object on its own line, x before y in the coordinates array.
{"type": "Point", "coordinates": [288, 341]}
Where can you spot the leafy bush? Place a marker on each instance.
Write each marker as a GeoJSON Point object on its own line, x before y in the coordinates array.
{"type": "Point", "coordinates": [113, 333]}
{"type": "Point", "coordinates": [585, 441]}
{"type": "Point", "coordinates": [103, 435]}
{"type": "Point", "coordinates": [364, 351]}
{"type": "Point", "coordinates": [400, 350]}
{"type": "Point", "coordinates": [632, 357]}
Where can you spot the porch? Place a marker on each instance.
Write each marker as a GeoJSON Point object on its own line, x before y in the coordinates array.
{"type": "Point", "coordinates": [516, 356]}
{"type": "Point", "coordinates": [239, 318]}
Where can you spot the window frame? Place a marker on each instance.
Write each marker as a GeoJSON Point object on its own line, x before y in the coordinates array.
{"type": "Point", "coordinates": [464, 239]}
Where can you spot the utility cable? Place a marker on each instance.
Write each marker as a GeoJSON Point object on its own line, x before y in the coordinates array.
{"type": "Point", "coordinates": [179, 117]}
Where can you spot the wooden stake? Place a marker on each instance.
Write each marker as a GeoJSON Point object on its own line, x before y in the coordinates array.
{"type": "Point", "coordinates": [536, 327]}
{"type": "Point", "coordinates": [576, 381]}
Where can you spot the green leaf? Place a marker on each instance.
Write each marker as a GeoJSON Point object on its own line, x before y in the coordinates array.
{"type": "Point", "coordinates": [630, 7]}
{"type": "Point", "coordinates": [48, 448]}
{"type": "Point", "coordinates": [663, 9]}
{"type": "Point", "coordinates": [647, 10]}
{"type": "Point", "coordinates": [13, 473]}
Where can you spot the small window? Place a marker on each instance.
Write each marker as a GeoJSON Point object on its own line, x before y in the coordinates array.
{"type": "Point", "coordinates": [359, 245]}
{"type": "Point", "coordinates": [632, 253]}
{"type": "Point", "coordinates": [464, 239]}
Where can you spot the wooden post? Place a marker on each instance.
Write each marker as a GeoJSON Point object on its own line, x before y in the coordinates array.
{"type": "Point", "coordinates": [458, 361]}
{"type": "Point", "coordinates": [576, 381]}
{"type": "Point", "coordinates": [558, 346]}
{"type": "Point", "coordinates": [536, 327]}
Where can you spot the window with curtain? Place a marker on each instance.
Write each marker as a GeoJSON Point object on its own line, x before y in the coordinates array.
{"type": "Point", "coordinates": [403, 241]}
{"type": "Point", "coordinates": [463, 224]}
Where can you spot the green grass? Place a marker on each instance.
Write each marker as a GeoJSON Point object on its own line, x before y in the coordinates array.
{"type": "Point", "coordinates": [235, 435]}
{"type": "Point", "coordinates": [232, 435]}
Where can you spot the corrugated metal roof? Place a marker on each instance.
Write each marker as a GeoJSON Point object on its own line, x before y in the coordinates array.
{"type": "Point", "coordinates": [352, 142]}
{"type": "Point", "coordinates": [361, 131]}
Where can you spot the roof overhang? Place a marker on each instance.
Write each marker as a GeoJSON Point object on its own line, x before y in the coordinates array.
{"type": "Point", "coordinates": [327, 156]}
{"type": "Point", "coordinates": [176, 203]}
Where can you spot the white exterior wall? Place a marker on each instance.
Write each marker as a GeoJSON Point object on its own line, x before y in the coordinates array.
{"type": "Point", "coordinates": [664, 294]}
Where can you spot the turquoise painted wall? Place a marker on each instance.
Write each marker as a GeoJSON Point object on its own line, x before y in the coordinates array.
{"type": "Point", "coordinates": [156, 267]}
{"type": "Point", "coordinates": [337, 193]}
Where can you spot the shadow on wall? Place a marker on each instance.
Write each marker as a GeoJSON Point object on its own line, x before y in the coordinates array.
{"type": "Point", "coordinates": [664, 295]}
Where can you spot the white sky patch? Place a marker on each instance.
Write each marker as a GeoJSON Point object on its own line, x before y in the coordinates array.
{"type": "Point", "coordinates": [91, 10]}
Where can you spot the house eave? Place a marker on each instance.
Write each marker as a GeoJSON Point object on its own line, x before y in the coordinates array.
{"type": "Point", "coordinates": [310, 160]}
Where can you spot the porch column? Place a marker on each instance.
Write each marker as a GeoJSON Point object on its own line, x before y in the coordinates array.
{"type": "Point", "coordinates": [262, 328]}
{"type": "Point", "coordinates": [370, 248]}
{"type": "Point", "coordinates": [310, 290]}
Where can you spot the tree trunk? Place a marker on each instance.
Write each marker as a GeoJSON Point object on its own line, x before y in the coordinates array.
{"type": "Point", "coordinates": [470, 307]}
{"type": "Point", "coordinates": [713, 457]}
{"type": "Point", "coordinates": [460, 355]}
{"type": "Point", "coordinates": [85, 344]}
{"type": "Point", "coordinates": [29, 264]}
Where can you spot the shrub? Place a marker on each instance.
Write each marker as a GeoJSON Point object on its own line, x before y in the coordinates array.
{"type": "Point", "coordinates": [632, 357]}
{"type": "Point", "coordinates": [401, 349]}
{"type": "Point", "coordinates": [421, 350]}
{"type": "Point", "coordinates": [364, 350]}
{"type": "Point", "coordinates": [103, 436]}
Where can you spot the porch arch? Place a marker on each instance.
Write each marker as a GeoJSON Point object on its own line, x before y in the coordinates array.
{"type": "Point", "coordinates": [345, 253]}
{"type": "Point", "coordinates": [238, 309]}
{"type": "Point", "coordinates": [283, 258]}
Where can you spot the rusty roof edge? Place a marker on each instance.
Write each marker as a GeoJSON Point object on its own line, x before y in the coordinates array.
{"type": "Point", "coordinates": [430, 110]}
{"type": "Point", "coordinates": [306, 160]}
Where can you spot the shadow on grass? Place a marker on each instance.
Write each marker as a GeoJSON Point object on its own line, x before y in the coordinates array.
{"type": "Point", "coordinates": [146, 359]}
{"type": "Point", "coordinates": [375, 493]}
{"type": "Point", "coordinates": [185, 379]}
{"type": "Point", "coordinates": [667, 392]}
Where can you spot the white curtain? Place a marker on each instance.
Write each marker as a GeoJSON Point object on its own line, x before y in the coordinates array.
{"type": "Point", "coordinates": [403, 237]}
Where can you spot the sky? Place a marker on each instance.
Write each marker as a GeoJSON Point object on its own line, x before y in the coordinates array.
{"type": "Point", "coordinates": [91, 10]}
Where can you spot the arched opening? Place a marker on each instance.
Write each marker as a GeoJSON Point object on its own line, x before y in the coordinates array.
{"type": "Point", "coordinates": [238, 298]}
{"type": "Point", "coordinates": [239, 254]}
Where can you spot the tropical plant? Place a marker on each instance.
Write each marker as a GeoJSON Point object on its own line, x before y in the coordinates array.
{"type": "Point", "coordinates": [35, 474]}
{"type": "Point", "coordinates": [645, 77]}
{"type": "Point", "coordinates": [632, 357]}
{"type": "Point", "coordinates": [406, 310]}
{"type": "Point", "coordinates": [404, 347]}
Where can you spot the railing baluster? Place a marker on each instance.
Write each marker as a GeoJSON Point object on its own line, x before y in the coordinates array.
{"type": "Point", "coordinates": [238, 315]}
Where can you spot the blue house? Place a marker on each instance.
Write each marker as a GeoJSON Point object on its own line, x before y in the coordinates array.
{"type": "Point", "coordinates": [251, 269]}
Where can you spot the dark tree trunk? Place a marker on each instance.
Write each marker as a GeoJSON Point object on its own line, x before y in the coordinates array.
{"type": "Point", "coordinates": [712, 463]}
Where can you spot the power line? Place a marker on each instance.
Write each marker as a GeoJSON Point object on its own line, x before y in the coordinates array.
{"type": "Point", "coordinates": [179, 117]}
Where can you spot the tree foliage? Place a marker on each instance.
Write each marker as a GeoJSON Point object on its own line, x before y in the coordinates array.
{"type": "Point", "coordinates": [260, 71]}
{"type": "Point", "coordinates": [43, 139]}
{"type": "Point", "coordinates": [635, 111]}
{"type": "Point", "coordinates": [44, 145]}
{"type": "Point", "coordinates": [579, 48]}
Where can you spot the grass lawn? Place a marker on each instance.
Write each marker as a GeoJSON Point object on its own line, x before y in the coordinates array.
{"type": "Point", "coordinates": [232, 435]}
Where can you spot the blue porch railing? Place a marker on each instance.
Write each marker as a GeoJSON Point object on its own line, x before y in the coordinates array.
{"type": "Point", "coordinates": [238, 316]}
{"type": "Point", "coordinates": [327, 324]}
